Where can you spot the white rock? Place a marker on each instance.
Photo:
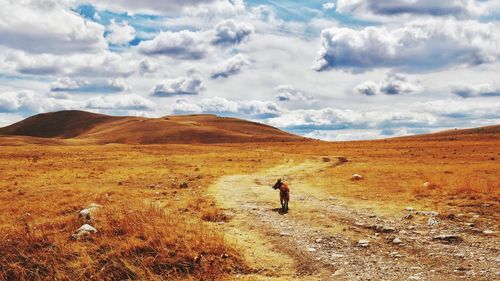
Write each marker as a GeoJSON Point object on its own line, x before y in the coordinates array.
{"type": "Point", "coordinates": [410, 209]}
{"type": "Point", "coordinates": [83, 231]}
{"type": "Point", "coordinates": [311, 249]}
{"type": "Point", "coordinates": [397, 241]}
{"type": "Point", "coordinates": [426, 184]}
{"type": "Point", "coordinates": [356, 177]}
{"type": "Point", "coordinates": [363, 243]}
{"type": "Point", "coordinates": [319, 240]}
{"type": "Point", "coordinates": [432, 221]}
{"type": "Point", "coordinates": [487, 232]}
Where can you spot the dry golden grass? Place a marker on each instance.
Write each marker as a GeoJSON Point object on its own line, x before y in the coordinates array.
{"type": "Point", "coordinates": [151, 228]}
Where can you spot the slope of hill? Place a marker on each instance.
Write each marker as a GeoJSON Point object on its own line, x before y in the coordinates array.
{"type": "Point", "coordinates": [99, 128]}
{"type": "Point", "coordinates": [481, 133]}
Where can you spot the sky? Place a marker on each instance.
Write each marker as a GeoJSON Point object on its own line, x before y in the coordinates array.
{"type": "Point", "coordinates": [332, 70]}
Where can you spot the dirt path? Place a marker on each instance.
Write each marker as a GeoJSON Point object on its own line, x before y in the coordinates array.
{"type": "Point", "coordinates": [318, 238]}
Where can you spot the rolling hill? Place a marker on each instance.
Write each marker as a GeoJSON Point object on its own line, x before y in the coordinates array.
{"type": "Point", "coordinates": [481, 133]}
{"type": "Point", "coordinates": [100, 128]}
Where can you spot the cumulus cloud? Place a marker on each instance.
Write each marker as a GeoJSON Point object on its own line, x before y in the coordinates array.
{"type": "Point", "coordinates": [184, 44]}
{"type": "Point", "coordinates": [47, 27]}
{"type": "Point", "coordinates": [148, 66]}
{"type": "Point", "coordinates": [393, 84]}
{"type": "Point", "coordinates": [219, 105]}
{"type": "Point", "coordinates": [478, 90]}
{"type": "Point", "coordinates": [120, 33]}
{"type": "Point", "coordinates": [193, 45]}
{"type": "Point", "coordinates": [418, 45]}
{"type": "Point", "coordinates": [458, 8]}
{"type": "Point", "coordinates": [289, 93]}
{"type": "Point", "coordinates": [119, 102]}
{"type": "Point", "coordinates": [105, 64]}
{"type": "Point", "coordinates": [230, 32]}
{"type": "Point", "coordinates": [328, 6]}
{"type": "Point", "coordinates": [27, 101]}
{"type": "Point", "coordinates": [230, 67]}
{"type": "Point", "coordinates": [178, 86]}
{"type": "Point", "coordinates": [67, 84]}
{"type": "Point", "coordinates": [145, 6]}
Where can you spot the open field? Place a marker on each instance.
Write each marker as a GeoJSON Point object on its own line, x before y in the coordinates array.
{"type": "Point", "coordinates": [223, 225]}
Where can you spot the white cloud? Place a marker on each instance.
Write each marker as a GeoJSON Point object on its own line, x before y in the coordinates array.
{"type": "Point", "coordinates": [230, 67]}
{"type": "Point", "coordinates": [328, 6]}
{"type": "Point", "coordinates": [105, 64]}
{"type": "Point", "coordinates": [230, 32]}
{"type": "Point", "coordinates": [289, 93]}
{"type": "Point", "coordinates": [119, 102]}
{"type": "Point", "coordinates": [183, 44]}
{"type": "Point", "coordinates": [67, 84]}
{"type": "Point", "coordinates": [418, 45]}
{"type": "Point", "coordinates": [120, 34]}
{"type": "Point", "coordinates": [366, 8]}
{"type": "Point", "coordinates": [476, 90]}
{"type": "Point", "coordinates": [178, 86]}
{"type": "Point", "coordinates": [145, 6]}
{"type": "Point", "coordinates": [392, 84]}
{"type": "Point", "coordinates": [47, 27]}
{"type": "Point", "coordinates": [195, 45]}
{"type": "Point", "coordinates": [218, 105]}
{"type": "Point", "coordinates": [27, 101]}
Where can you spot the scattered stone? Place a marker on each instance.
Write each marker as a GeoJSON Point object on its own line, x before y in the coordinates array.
{"type": "Point", "coordinates": [356, 177]}
{"type": "Point", "coordinates": [410, 209]}
{"type": "Point", "coordinates": [83, 231]}
{"type": "Point", "coordinates": [285, 234]}
{"type": "Point", "coordinates": [184, 185]}
{"type": "Point", "coordinates": [338, 272]}
{"type": "Point", "coordinates": [311, 249]}
{"type": "Point", "coordinates": [428, 213]}
{"type": "Point", "coordinates": [397, 241]}
{"type": "Point", "coordinates": [326, 159]}
{"type": "Point", "coordinates": [336, 256]}
{"type": "Point", "coordinates": [319, 240]}
{"type": "Point", "coordinates": [426, 184]}
{"type": "Point", "coordinates": [414, 277]}
{"type": "Point", "coordinates": [486, 205]}
{"type": "Point", "coordinates": [432, 221]}
{"type": "Point", "coordinates": [450, 238]}
{"type": "Point", "coordinates": [388, 229]}
{"type": "Point", "coordinates": [488, 232]}
{"type": "Point", "coordinates": [363, 243]}
{"type": "Point", "coordinates": [87, 213]}
{"type": "Point", "coordinates": [470, 224]}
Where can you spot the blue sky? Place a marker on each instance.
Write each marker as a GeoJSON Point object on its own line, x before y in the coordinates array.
{"type": "Point", "coordinates": [335, 70]}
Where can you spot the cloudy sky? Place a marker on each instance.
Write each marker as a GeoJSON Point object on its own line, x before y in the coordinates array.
{"type": "Point", "coordinates": [335, 70]}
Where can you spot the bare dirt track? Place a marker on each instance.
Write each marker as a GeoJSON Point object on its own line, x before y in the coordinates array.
{"type": "Point", "coordinates": [318, 238]}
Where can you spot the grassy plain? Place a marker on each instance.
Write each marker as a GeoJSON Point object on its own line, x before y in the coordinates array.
{"type": "Point", "coordinates": [149, 227]}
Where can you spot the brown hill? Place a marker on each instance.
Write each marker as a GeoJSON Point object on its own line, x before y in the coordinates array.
{"type": "Point", "coordinates": [99, 128]}
{"type": "Point", "coordinates": [481, 133]}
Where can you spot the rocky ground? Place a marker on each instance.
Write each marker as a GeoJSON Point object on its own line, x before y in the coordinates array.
{"type": "Point", "coordinates": [325, 238]}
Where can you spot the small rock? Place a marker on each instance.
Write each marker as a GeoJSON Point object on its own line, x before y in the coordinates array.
{"type": "Point", "coordinates": [183, 185]}
{"type": "Point", "coordinates": [426, 184]}
{"type": "Point", "coordinates": [363, 243]}
{"type": "Point", "coordinates": [488, 232]}
{"type": "Point", "coordinates": [342, 159]}
{"type": "Point", "coordinates": [356, 177]}
{"type": "Point", "coordinates": [451, 238]}
{"type": "Point", "coordinates": [83, 231]}
{"type": "Point", "coordinates": [326, 159]}
{"type": "Point", "coordinates": [311, 249]}
{"type": "Point", "coordinates": [410, 209]}
{"type": "Point", "coordinates": [432, 221]}
{"type": "Point", "coordinates": [388, 229]}
{"type": "Point", "coordinates": [396, 241]}
{"type": "Point", "coordinates": [319, 240]}
{"type": "Point", "coordinates": [338, 272]}
{"type": "Point", "coordinates": [336, 256]}
{"type": "Point", "coordinates": [285, 234]}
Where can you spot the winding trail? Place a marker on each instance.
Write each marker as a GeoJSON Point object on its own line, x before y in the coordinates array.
{"type": "Point", "coordinates": [318, 238]}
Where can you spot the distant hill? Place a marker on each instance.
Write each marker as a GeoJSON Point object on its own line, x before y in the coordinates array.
{"type": "Point", "coordinates": [100, 128]}
{"type": "Point", "coordinates": [481, 133]}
